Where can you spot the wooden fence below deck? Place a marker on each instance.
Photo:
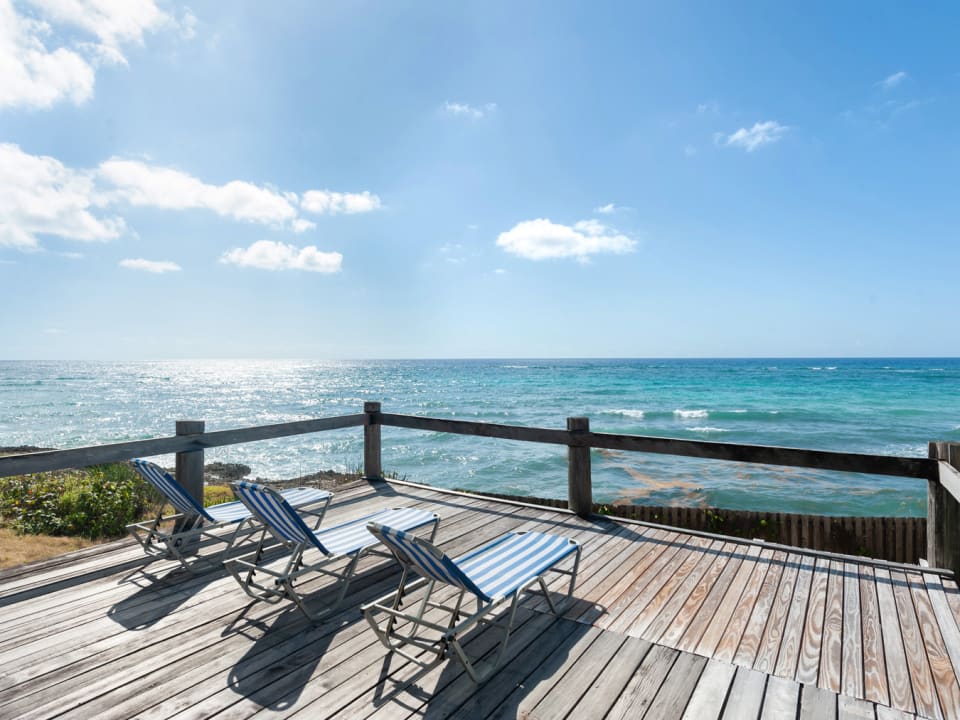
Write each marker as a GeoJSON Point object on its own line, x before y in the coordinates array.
{"type": "Point", "coordinates": [897, 539]}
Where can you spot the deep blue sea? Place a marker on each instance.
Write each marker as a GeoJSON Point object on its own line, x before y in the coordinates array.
{"type": "Point", "coordinates": [883, 406]}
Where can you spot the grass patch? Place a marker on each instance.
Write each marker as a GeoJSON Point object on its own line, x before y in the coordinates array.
{"type": "Point", "coordinates": [17, 549]}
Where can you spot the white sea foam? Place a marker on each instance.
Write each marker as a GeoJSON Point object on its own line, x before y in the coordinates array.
{"type": "Point", "coordinates": [636, 414]}
{"type": "Point", "coordinates": [691, 413]}
{"type": "Point", "coordinates": [707, 429]}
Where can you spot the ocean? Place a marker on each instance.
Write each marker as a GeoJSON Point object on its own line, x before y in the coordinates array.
{"type": "Point", "coordinates": [882, 406]}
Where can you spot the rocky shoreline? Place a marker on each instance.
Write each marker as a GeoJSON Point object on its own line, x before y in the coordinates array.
{"type": "Point", "coordinates": [220, 473]}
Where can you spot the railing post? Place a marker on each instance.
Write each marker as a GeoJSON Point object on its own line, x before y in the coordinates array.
{"type": "Point", "coordinates": [943, 512]}
{"type": "Point", "coordinates": [579, 482]}
{"type": "Point", "coordinates": [371, 442]}
{"type": "Point", "coordinates": [189, 464]}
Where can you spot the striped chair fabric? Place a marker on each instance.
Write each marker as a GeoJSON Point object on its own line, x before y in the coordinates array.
{"type": "Point", "coordinates": [491, 572]}
{"type": "Point", "coordinates": [344, 539]}
{"type": "Point", "coordinates": [228, 512]}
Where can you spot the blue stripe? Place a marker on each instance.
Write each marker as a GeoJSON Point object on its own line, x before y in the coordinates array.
{"type": "Point", "coordinates": [170, 489]}
{"type": "Point", "coordinates": [493, 571]}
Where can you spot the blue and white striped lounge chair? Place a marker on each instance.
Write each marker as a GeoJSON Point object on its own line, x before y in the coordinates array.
{"type": "Point", "coordinates": [194, 521]}
{"type": "Point", "coordinates": [496, 574]}
{"type": "Point", "coordinates": [349, 540]}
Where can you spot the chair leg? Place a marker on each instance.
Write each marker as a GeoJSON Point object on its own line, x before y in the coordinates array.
{"type": "Point", "coordinates": [479, 674]}
{"type": "Point", "coordinates": [343, 581]}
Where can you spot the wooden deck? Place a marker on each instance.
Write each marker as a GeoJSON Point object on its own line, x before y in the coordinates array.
{"type": "Point", "coordinates": [666, 624]}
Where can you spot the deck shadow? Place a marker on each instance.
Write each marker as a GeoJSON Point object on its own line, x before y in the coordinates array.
{"type": "Point", "coordinates": [279, 664]}
{"type": "Point", "coordinates": [157, 597]}
{"type": "Point", "coordinates": [538, 648]}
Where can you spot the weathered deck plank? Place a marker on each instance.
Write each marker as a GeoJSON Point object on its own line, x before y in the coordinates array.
{"type": "Point", "coordinates": [852, 656]}
{"type": "Point", "coordinates": [875, 687]}
{"type": "Point", "coordinates": [813, 639]}
{"type": "Point", "coordinates": [831, 648]}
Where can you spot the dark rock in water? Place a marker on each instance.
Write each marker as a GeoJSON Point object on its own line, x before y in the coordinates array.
{"type": "Point", "coordinates": [324, 479]}
{"type": "Point", "coordinates": [217, 473]}
{"type": "Point", "coordinates": [20, 449]}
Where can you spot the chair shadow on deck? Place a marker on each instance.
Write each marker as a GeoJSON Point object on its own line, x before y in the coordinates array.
{"type": "Point", "coordinates": [157, 597]}
{"type": "Point", "coordinates": [538, 648]}
{"type": "Point", "coordinates": [282, 660]}
{"type": "Point", "coordinates": [285, 654]}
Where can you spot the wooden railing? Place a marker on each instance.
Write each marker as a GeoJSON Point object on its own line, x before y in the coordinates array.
{"type": "Point", "coordinates": [940, 470]}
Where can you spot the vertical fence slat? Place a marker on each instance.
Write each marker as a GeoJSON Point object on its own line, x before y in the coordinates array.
{"type": "Point", "coordinates": [579, 482]}
{"type": "Point", "coordinates": [189, 467]}
{"type": "Point", "coordinates": [372, 469]}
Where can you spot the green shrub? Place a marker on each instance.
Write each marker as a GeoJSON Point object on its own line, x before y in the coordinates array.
{"type": "Point", "coordinates": [216, 494]}
{"type": "Point", "coordinates": [95, 502]}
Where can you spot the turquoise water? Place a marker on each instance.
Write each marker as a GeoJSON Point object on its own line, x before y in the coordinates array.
{"type": "Point", "coordinates": [882, 406]}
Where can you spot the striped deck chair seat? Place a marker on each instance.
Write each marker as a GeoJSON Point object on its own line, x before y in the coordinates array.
{"type": "Point", "coordinates": [194, 522]}
{"type": "Point", "coordinates": [351, 540]}
{"type": "Point", "coordinates": [496, 575]}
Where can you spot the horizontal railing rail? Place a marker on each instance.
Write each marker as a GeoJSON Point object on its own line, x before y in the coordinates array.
{"type": "Point", "coordinates": [919, 468]}
{"type": "Point", "coordinates": [116, 452]}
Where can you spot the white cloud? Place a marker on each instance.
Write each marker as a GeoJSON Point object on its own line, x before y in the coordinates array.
{"type": "Point", "coordinates": [114, 22]}
{"type": "Point", "coordinates": [759, 135]}
{"type": "Point", "coordinates": [499, 271]}
{"type": "Point", "coordinates": [322, 202]}
{"type": "Point", "coordinates": [34, 77]}
{"type": "Point", "coordinates": [300, 225]}
{"type": "Point", "coordinates": [891, 81]}
{"type": "Point", "coordinates": [541, 239]}
{"type": "Point", "coordinates": [270, 255]}
{"type": "Point", "coordinates": [689, 150]}
{"type": "Point", "coordinates": [151, 266]}
{"type": "Point", "coordinates": [475, 112]}
{"type": "Point", "coordinates": [40, 196]}
{"type": "Point", "coordinates": [145, 185]}
{"type": "Point", "coordinates": [608, 209]}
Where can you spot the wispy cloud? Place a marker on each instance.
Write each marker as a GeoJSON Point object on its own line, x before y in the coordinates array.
{"type": "Point", "coordinates": [326, 202]}
{"type": "Point", "coordinates": [541, 239]}
{"type": "Point", "coordinates": [689, 150]}
{"type": "Point", "coordinates": [475, 112]}
{"type": "Point", "coordinates": [608, 209]}
{"type": "Point", "coordinates": [35, 76]}
{"type": "Point", "coordinates": [270, 255]}
{"type": "Point", "coordinates": [150, 266]}
{"type": "Point", "coordinates": [39, 195]}
{"type": "Point", "coordinates": [145, 185]}
{"type": "Point", "coordinates": [762, 133]}
{"type": "Point", "coordinates": [892, 81]}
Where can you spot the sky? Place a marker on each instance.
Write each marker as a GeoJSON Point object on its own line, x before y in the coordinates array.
{"type": "Point", "coordinates": [478, 179]}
